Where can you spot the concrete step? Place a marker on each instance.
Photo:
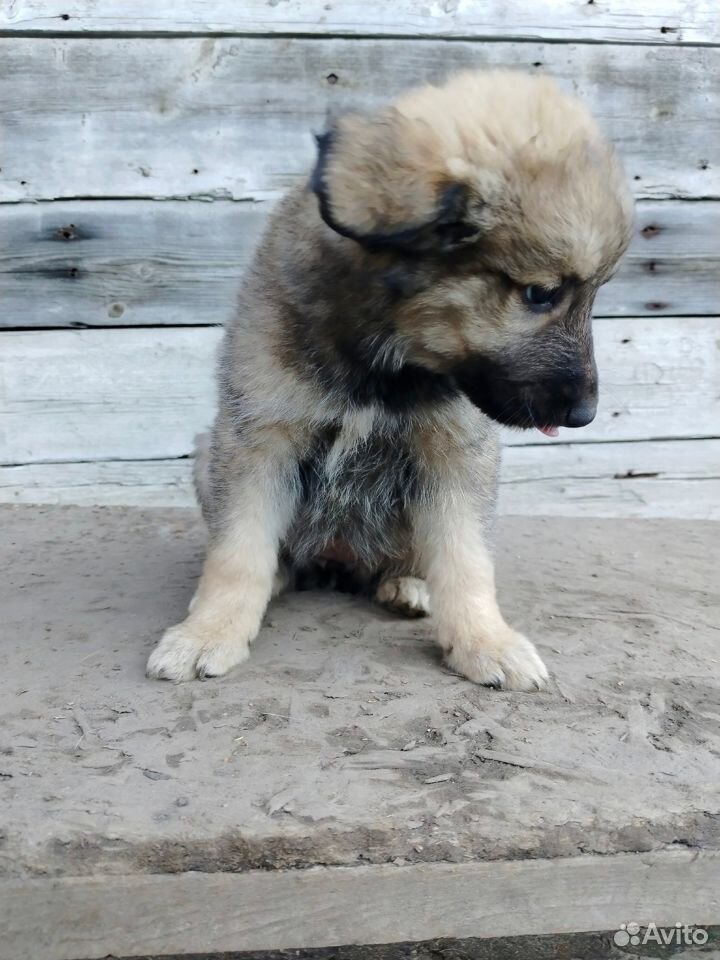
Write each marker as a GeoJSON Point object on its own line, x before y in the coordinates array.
{"type": "Point", "coordinates": [341, 786]}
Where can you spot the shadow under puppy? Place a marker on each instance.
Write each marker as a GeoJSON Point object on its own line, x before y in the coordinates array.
{"type": "Point", "coordinates": [434, 278]}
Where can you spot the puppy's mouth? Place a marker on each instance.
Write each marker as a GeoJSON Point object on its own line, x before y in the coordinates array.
{"type": "Point", "coordinates": [524, 405]}
{"type": "Point", "coordinates": [502, 399]}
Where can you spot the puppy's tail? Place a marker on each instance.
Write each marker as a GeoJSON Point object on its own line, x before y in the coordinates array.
{"type": "Point", "coordinates": [201, 471]}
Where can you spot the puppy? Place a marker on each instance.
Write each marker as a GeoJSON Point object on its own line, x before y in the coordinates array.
{"type": "Point", "coordinates": [434, 278]}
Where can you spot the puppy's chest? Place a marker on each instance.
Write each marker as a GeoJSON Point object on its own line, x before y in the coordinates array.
{"type": "Point", "coordinates": [356, 480]}
{"type": "Point", "coordinates": [361, 457]}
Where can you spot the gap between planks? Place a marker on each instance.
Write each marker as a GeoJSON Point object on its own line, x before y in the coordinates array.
{"type": "Point", "coordinates": [574, 41]}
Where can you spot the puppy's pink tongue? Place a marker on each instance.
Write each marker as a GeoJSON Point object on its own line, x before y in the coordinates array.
{"type": "Point", "coordinates": [549, 431]}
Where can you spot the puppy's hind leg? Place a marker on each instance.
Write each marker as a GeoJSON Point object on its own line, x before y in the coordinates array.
{"type": "Point", "coordinates": [284, 578]}
{"type": "Point", "coordinates": [239, 572]}
{"type": "Point", "coordinates": [406, 595]}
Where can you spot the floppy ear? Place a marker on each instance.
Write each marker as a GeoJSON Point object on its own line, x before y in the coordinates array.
{"type": "Point", "coordinates": [381, 181]}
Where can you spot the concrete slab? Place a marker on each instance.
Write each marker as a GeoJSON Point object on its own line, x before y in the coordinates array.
{"type": "Point", "coordinates": [343, 742]}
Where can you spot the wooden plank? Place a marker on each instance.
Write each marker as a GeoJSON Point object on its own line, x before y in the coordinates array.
{"type": "Point", "coordinates": [669, 478]}
{"type": "Point", "coordinates": [141, 483]}
{"type": "Point", "coordinates": [139, 263]}
{"type": "Point", "coordinates": [232, 117]}
{"type": "Point", "coordinates": [143, 393]}
{"type": "Point", "coordinates": [124, 262]}
{"type": "Point", "coordinates": [663, 21]}
{"type": "Point", "coordinates": [679, 478]}
{"type": "Point", "coordinates": [105, 394]}
{"type": "Point", "coordinates": [87, 917]}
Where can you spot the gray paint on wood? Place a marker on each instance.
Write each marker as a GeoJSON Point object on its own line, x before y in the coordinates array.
{"type": "Point", "coordinates": [233, 117]}
{"type": "Point", "coordinates": [635, 21]}
{"type": "Point", "coordinates": [140, 263]}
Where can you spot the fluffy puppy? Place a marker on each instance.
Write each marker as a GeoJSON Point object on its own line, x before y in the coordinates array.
{"type": "Point", "coordinates": [435, 277]}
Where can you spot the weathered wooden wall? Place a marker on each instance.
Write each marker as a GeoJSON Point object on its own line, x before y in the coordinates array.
{"type": "Point", "coordinates": [141, 151]}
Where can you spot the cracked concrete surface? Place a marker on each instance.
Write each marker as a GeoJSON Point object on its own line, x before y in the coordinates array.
{"type": "Point", "coordinates": [343, 740]}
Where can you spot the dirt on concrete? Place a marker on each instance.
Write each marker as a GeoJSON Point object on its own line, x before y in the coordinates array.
{"type": "Point", "coordinates": [343, 740]}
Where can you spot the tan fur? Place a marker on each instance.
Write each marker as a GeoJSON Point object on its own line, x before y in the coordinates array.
{"type": "Point", "coordinates": [383, 326]}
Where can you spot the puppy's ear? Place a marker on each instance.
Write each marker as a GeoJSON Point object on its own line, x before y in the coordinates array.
{"type": "Point", "coordinates": [381, 181]}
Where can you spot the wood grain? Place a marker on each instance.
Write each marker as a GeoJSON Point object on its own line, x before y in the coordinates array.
{"type": "Point", "coordinates": [87, 918]}
{"type": "Point", "coordinates": [140, 263]}
{"type": "Point", "coordinates": [232, 118]}
{"type": "Point", "coordinates": [635, 21]}
{"type": "Point", "coordinates": [144, 393]}
{"type": "Point", "coordinates": [669, 478]}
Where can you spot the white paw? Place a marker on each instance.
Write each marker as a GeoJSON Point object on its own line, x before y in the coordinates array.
{"type": "Point", "coordinates": [406, 595]}
{"type": "Point", "coordinates": [188, 651]}
{"type": "Point", "coordinates": [510, 664]}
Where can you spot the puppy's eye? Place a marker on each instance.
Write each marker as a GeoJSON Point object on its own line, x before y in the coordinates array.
{"type": "Point", "coordinates": [541, 299]}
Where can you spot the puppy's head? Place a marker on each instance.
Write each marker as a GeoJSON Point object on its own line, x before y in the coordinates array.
{"type": "Point", "coordinates": [499, 197]}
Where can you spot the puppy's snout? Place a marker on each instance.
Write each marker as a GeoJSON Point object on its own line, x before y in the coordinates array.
{"type": "Point", "coordinates": [580, 396]}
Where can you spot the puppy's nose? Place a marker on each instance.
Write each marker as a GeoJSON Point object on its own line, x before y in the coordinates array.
{"type": "Point", "coordinates": [582, 413]}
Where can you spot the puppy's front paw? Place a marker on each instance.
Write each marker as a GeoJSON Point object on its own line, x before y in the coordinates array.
{"type": "Point", "coordinates": [509, 663]}
{"type": "Point", "coordinates": [188, 651]}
